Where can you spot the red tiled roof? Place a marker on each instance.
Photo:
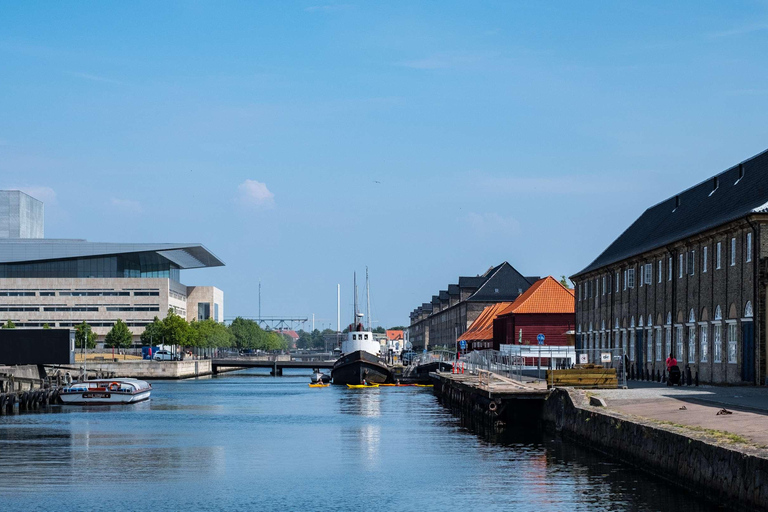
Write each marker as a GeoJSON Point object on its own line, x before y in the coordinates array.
{"type": "Point", "coordinates": [394, 335]}
{"type": "Point", "coordinates": [544, 296]}
{"type": "Point", "coordinates": [288, 332]}
{"type": "Point", "coordinates": [482, 327]}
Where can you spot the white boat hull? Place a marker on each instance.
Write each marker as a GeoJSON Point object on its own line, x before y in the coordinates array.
{"type": "Point", "coordinates": [104, 397]}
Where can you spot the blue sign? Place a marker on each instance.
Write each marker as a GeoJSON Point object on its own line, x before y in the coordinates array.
{"type": "Point", "coordinates": [540, 339]}
{"type": "Point", "coordinates": [463, 344]}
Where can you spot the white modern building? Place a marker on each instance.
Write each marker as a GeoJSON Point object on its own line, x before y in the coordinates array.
{"type": "Point", "coordinates": [65, 282]}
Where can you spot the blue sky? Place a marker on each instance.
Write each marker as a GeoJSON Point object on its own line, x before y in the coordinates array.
{"type": "Point", "coordinates": [301, 141]}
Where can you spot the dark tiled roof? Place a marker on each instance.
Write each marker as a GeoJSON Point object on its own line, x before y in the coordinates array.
{"type": "Point", "coordinates": [443, 295]}
{"type": "Point", "coordinates": [701, 208]}
{"type": "Point", "coordinates": [453, 289]}
{"type": "Point", "coordinates": [471, 282]}
{"type": "Point", "coordinates": [504, 284]}
{"type": "Point", "coordinates": [426, 306]}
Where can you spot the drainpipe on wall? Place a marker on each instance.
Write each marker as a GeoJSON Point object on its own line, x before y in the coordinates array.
{"type": "Point", "coordinates": [756, 297]}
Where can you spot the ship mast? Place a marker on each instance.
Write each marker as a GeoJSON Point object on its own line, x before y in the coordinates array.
{"type": "Point", "coordinates": [354, 313]}
{"type": "Point", "coordinates": [368, 298]}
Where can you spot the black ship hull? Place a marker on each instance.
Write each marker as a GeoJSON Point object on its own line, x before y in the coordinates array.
{"type": "Point", "coordinates": [358, 367]}
{"type": "Point", "coordinates": [420, 373]}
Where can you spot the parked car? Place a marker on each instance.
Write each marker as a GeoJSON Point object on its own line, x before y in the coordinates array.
{"type": "Point", "coordinates": [164, 355]}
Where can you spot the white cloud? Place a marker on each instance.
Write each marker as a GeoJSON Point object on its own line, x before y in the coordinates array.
{"type": "Point", "coordinates": [742, 30]}
{"type": "Point", "coordinates": [94, 78]}
{"type": "Point", "coordinates": [126, 205]}
{"type": "Point", "coordinates": [485, 224]}
{"type": "Point", "coordinates": [255, 193]}
{"type": "Point", "coordinates": [44, 194]}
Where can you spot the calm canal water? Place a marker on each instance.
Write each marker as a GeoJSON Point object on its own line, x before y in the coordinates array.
{"type": "Point", "coordinates": [247, 442]}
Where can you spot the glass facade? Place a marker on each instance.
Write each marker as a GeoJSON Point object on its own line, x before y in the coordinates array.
{"type": "Point", "coordinates": [203, 311]}
{"type": "Point", "coordinates": [143, 264]}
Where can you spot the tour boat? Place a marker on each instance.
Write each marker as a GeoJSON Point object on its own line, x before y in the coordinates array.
{"type": "Point", "coordinates": [106, 392]}
{"type": "Point", "coordinates": [360, 363]}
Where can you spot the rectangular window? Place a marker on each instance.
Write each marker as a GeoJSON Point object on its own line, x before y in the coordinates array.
{"type": "Point", "coordinates": [604, 278]}
{"type": "Point", "coordinates": [732, 333]}
{"type": "Point", "coordinates": [617, 282]}
{"type": "Point", "coordinates": [658, 343]}
{"type": "Point", "coordinates": [692, 263]}
{"type": "Point", "coordinates": [692, 344]}
{"type": "Point", "coordinates": [642, 272]}
{"type": "Point", "coordinates": [749, 247]}
{"type": "Point", "coordinates": [661, 265]}
{"type": "Point", "coordinates": [669, 270]}
{"type": "Point", "coordinates": [578, 291]}
{"type": "Point", "coordinates": [668, 341]}
{"type": "Point", "coordinates": [631, 278]}
{"type": "Point", "coordinates": [718, 256]}
{"type": "Point", "coordinates": [718, 347]}
{"type": "Point", "coordinates": [610, 286]}
{"type": "Point", "coordinates": [624, 341]}
{"type": "Point", "coordinates": [679, 342]}
{"type": "Point", "coordinates": [733, 252]}
{"type": "Point", "coordinates": [625, 279]}
{"type": "Point", "coordinates": [704, 263]}
{"type": "Point", "coordinates": [648, 273]}
{"type": "Point", "coordinates": [649, 345]}
{"type": "Point", "coordinates": [704, 349]}
{"type": "Point", "coordinates": [680, 265]}
{"type": "Point", "coordinates": [632, 345]}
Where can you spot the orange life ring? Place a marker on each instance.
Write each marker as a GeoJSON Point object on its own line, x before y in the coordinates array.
{"type": "Point", "coordinates": [114, 386]}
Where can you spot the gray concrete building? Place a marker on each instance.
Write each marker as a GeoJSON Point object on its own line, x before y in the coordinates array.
{"type": "Point", "coordinates": [62, 283]}
{"type": "Point", "coordinates": [688, 277]}
{"type": "Point", "coordinates": [21, 215]}
{"type": "Point", "coordinates": [451, 312]}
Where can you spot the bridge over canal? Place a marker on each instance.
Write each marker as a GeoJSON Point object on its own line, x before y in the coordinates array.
{"type": "Point", "coordinates": [276, 367]}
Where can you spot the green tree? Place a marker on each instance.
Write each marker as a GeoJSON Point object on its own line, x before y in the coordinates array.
{"type": "Point", "coordinates": [245, 333]}
{"type": "Point", "coordinates": [210, 334]}
{"type": "Point", "coordinates": [9, 325]}
{"type": "Point", "coordinates": [46, 326]}
{"type": "Point", "coordinates": [119, 336]}
{"type": "Point", "coordinates": [398, 328]}
{"type": "Point", "coordinates": [175, 330]}
{"type": "Point", "coordinates": [84, 334]}
{"type": "Point", "coordinates": [564, 282]}
{"type": "Point", "coordinates": [305, 339]}
{"type": "Point", "coordinates": [153, 333]}
{"type": "Point", "coordinates": [380, 330]}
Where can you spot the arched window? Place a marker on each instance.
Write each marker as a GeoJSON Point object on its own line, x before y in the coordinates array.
{"type": "Point", "coordinates": [640, 322]}
{"type": "Point", "coordinates": [602, 326]}
{"type": "Point", "coordinates": [590, 326]}
{"type": "Point", "coordinates": [692, 317]}
{"type": "Point", "coordinates": [650, 321]}
{"type": "Point", "coordinates": [616, 324]}
{"type": "Point", "coordinates": [718, 313]}
{"type": "Point", "coordinates": [748, 310]}
{"type": "Point", "coordinates": [579, 331]}
{"type": "Point", "coordinates": [669, 318]}
{"type": "Point", "coordinates": [632, 323]}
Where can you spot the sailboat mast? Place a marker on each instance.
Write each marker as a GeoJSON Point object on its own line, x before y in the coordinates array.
{"type": "Point", "coordinates": [368, 298]}
{"type": "Point", "coordinates": [354, 312]}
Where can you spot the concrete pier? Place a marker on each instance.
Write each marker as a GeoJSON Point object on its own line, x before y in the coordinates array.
{"type": "Point", "coordinates": [490, 398]}
{"type": "Point", "coordinates": [154, 369]}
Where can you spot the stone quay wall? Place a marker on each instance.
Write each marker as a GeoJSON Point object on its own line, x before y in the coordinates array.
{"type": "Point", "coordinates": [725, 472]}
{"type": "Point", "coordinates": [154, 369]}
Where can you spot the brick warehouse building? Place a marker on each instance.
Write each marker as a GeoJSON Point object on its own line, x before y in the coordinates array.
{"type": "Point", "coordinates": [688, 277]}
{"type": "Point", "coordinates": [452, 311]}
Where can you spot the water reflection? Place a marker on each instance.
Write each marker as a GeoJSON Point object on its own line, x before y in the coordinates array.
{"type": "Point", "coordinates": [232, 443]}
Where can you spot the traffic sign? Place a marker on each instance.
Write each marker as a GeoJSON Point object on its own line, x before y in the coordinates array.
{"type": "Point", "coordinates": [540, 339]}
{"type": "Point", "coordinates": [463, 344]}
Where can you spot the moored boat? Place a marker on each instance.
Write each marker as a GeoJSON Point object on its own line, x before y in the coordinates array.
{"type": "Point", "coordinates": [106, 392]}
{"type": "Point", "coordinates": [360, 363]}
